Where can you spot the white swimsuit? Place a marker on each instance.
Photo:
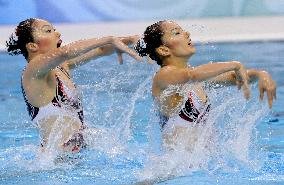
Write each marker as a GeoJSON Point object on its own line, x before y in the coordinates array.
{"type": "Point", "coordinates": [65, 102]}
{"type": "Point", "coordinates": [192, 112]}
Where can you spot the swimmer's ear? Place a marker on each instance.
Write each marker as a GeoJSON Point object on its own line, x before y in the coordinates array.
{"type": "Point", "coordinates": [32, 47]}
{"type": "Point", "coordinates": [163, 51]}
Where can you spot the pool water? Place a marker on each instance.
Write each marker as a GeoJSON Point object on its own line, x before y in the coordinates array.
{"type": "Point", "coordinates": [249, 137]}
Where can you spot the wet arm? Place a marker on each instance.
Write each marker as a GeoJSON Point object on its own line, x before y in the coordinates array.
{"type": "Point", "coordinates": [265, 82]}
{"type": "Point", "coordinates": [210, 70]}
{"type": "Point", "coordinates": [229, 78]}
{"type": "Point", "coordinates": [42, 64]}
{"type": "Point", "coordinates": [98, 52]}
{"type": "Point", "coordinates": [173, 76]}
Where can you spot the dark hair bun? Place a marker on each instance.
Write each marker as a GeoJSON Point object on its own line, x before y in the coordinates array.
{"type": "Point", "coordinates": [17, 41]}
{"type": "Point", "coordinates": [12, 45]}
{"type": "Point", "coordinates": [141, 47]}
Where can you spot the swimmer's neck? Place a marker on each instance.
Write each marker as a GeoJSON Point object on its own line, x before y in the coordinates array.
{"type": "Point", "coordinates": [35, 54]}
{"type": "Point", "coordinates": [32, 56]}
{"type": "Point", "coordinates": [176, 61]}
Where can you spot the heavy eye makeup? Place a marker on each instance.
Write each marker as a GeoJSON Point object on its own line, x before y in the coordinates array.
{"type": "Point", "coordinates": [176, 31]}
{"type": "Point", "coordinates": [47, 29]}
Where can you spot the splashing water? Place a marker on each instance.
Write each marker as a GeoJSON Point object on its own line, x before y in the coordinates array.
{"type": "Point", "coordinates": [225, 142]}
{"type": "Point", "coordinates": [124, 137]}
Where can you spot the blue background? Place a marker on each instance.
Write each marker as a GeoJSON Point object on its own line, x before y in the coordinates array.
{"type": "Point", "coordinates": [77, 11]}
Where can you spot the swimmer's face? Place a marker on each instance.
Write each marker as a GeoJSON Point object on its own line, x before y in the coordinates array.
{"type": "Point", "coordinates": [45, 36]}
{"type": "Point", "coordinates": [177, 39]}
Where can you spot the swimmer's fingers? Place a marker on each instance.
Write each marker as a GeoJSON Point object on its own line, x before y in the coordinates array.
{"type": "Point", "coordinates": [130, 52]}
{"type": "Point", "coordinates": [245, 87]}
{"type": "Point", "coordinates": [266, 83]}
{"type": "Point", "coordinates": [134, 55]}
{"type": "Point", "coordinates": [120, 46]}
{"type": "Point", "coordinates": [261, 91]}
{"type": "Point", "coordinates": [239, 84]}
{"type": "Point", "coordinates": [119, 57]}
{"type": "Point", "coordinates": [270, 98]}
{"type": "Point", "coordinates": [242, 80]}
{"type": "Point", "coordinates": [246, 91]}
{"type": "Point", "coordinates": [271, 94]}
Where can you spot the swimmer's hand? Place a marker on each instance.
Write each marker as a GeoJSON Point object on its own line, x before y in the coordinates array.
{"type": "Point", "coordinates": [121, 47]}
{"type": "Point", "coordinates": [266, 83]}
{"type": "Point", "coordinates": [242, 80]}
{"type": "Point", "coordinates": [133, 38]}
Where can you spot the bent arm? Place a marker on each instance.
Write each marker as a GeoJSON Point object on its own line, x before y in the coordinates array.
{"type": "Point", "coordinates": [173, 76]}
{"type": "Point", "coordinates": [42, 64]}
{"type": "Point", "coordinates": [105, 50]}
{"type": "Point", "coordinates": [210, 70]}
{"type": "Point", "coordinates": [202, 73]}
{"type": "Point", "coordinates": [265, 82]}
{"type": "Point", "coordinates": [229, 78]}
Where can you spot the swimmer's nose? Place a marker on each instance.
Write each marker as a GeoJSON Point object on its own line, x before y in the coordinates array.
{"type": "Point", "coordinates": [187, 34]}
{"type": "Point", "coordinates": [58, 34]}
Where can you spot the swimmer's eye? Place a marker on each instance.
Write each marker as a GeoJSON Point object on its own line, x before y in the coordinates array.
{"type": "Point", "coordinates": [176, 32]}
{"type": "Point", "coordinates": [50, 30]}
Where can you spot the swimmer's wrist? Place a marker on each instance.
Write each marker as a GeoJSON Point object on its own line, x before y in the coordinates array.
{"type": "Point", "coordinates": [262, 73]}
{"type": "Point", "coordinates": [110, 39]}
{"type": "Point", "coordinates": [237, 65]}
{"type": "Point", "coordinates": [257, 74]}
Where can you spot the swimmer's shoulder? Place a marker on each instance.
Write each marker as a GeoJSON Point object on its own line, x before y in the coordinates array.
{"type": "Point", "coordinates": [171, 75]}
{"type": "Point", "coordinates": [165, 73]}
{"type": "Point", "coordinates": [163, 78]}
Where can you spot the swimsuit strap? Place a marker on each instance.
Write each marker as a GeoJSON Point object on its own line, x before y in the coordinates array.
{"type": "Point", "coordinates": [59, 98]}
{"type": "Point", "coordinates": [64, 71]}
{"type": "Point", "coordinates": [32, 110]}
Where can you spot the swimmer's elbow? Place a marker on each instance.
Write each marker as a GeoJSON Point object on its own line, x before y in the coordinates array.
{"type": "Point", "coordinates": [191, 76]}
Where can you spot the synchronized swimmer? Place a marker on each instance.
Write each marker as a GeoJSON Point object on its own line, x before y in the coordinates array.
{"type": "Point", "coordinates": [55, 106]}
{"type": "Point", "coordinates": [171, 47]}
{"type": "Point", "coordinates": [51, 96]}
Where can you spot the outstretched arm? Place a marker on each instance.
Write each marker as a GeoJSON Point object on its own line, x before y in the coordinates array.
{"type": "Point", "coordinates": [202, 73]}
{"type": "Point", "coordinates": [101, 51]}
{"type": "Point", "coordinates": [42, 64]}
{"type": "Point", "coordinates": [265, 82]}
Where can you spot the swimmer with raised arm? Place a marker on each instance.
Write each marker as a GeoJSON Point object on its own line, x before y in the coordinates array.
{"type": "Point", "coordinates": [171, 47]}
{"type": "Point", "coordinates": [51, 97]}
